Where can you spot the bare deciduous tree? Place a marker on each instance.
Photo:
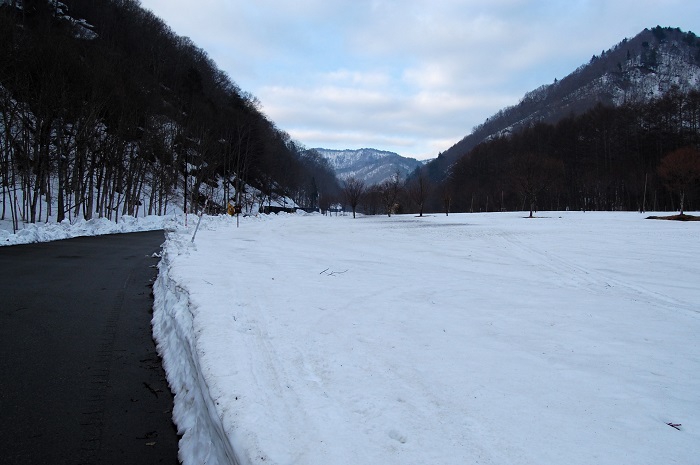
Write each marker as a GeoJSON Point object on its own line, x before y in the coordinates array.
{"type": "Point", "coordinates": [533, 174]}
{"type": "Point", "coordinates": [418, 189]}
{"type": "Point", "coordinates": [353, 190]}
{"type": "Point", "coordinates": [390, 192]}
{"type": "Point", "coordinates": [680, 170]}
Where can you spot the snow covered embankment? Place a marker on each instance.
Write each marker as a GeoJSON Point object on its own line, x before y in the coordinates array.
{"type": "Point", "coordinates": [203, 438]}
{"type": "Point", "coordinates": [46, 232]}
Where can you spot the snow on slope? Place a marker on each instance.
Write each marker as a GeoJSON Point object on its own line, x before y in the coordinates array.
{"type": "Point", "coordinates": [485, 339]}
{"type": "Point", "coordinates": [369, 165]}
{"type": "Point", "coordinates": [636, 70]}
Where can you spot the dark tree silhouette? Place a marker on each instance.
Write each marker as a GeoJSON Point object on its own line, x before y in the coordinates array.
{"type": "Point", "coordinates": [533, 174]}
{"type": "Point", "coordinates": [389, 191]}
{"type": "Point", "coordinates": [418, 189]}
{"type": "Point", "coordinates": [680, 171]}
{"type": "Point", "coordinates": [353, 190]}
{"type": "Point", "coordinates": [114, 114]}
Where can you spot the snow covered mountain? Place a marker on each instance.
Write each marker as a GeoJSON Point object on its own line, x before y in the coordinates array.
{"type": "Point", "coordinates": [370, 165]}
{"type": "Point", "coordinates": [653, 63]}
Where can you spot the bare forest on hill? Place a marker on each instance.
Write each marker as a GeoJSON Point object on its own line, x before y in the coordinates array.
{"type": "Point", "coordinates": [105, 111]}
{"type": "Point", "coordinates": [605, 159]}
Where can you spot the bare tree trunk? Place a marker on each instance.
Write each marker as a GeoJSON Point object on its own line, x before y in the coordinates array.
{"type": "Point", "coordinates": [90, 204]}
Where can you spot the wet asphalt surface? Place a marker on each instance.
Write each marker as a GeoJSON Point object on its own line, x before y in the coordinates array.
{"type": "Point", "coordinates": [80, 379]}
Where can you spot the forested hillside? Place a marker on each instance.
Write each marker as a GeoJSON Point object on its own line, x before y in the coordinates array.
{"type": "Point", "coordinates": [371, 166]}
{"type": "Point", "coordinates": [595, 139]}
{"type": "Point", "coordinates": [608, 158]}
{"type": "Point", "coordinates": [636, 70]}
{"type": "Point", "coordinates": [105, 111]}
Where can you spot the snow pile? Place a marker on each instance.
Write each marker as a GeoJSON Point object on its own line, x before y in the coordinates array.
{"type": "Point", "coordinates": [45, 232]}
{"type": "Point", "coordinates": [464, 339]}
{"type": "Point", "coordinates": [203, 439]}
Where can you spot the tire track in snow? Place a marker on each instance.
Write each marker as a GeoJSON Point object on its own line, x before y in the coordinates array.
{"type": "Point", "coordinates": [590, 279]}
{"type": "Point", "coordinates": [268, 369]}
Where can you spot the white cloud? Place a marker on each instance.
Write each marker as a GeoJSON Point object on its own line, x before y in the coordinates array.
{"type": "Point", "coordinates": [405, 75]}
{"type": "Point", "coordinates": [415, 125]}
{"type": "Point", "coordinates": [375, 79]}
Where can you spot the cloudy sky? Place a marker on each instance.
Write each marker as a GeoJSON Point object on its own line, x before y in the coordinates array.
{"type": "Point", "coordinates": [409, 76]}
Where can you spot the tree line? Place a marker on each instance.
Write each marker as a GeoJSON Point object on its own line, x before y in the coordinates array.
{"type": "Point", "coordinates": [114, 114]}
{"type": "Point", "coordinates": [653, 62]}
{"type": "Point", "coordinates": [608, 158]}
{"type": "Point", "coordinates": [635, 157]}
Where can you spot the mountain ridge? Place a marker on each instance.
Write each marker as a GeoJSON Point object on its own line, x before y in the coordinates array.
{"type": "Point", "coordinates": [372, 166]}
{"type": "Point", "coordinates": [654, 62]}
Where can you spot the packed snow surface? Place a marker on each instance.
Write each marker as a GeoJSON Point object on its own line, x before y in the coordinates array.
{"type": "Point", "coordinates": [464, 339]}
{"type": "Point", "coordinates": [481, 338]}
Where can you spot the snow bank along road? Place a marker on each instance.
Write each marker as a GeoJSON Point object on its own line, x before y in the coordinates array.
{"type": "Point", "coordinates": [80, 380]}
{"type": "Point", "coordinates": [488, 339]}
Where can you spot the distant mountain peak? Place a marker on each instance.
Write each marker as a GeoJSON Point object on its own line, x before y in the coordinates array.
{"type": "Point", "coordinates": [372, 166]}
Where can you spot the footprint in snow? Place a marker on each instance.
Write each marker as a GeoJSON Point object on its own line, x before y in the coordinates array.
{"type": "Point", "coordinates": [395, 435]}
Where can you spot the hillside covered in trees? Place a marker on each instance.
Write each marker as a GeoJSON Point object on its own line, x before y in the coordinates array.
{"type": "Point", "coordinates": [608, 158]}
{"type": "Point", "coordinates": [105, 111]}
{"type": "Point", "coordinates": [635, 71]}
{"type": "Point", "coordinates": [621, 132]}
{"type": "Point", "coordinates": [593, 140]}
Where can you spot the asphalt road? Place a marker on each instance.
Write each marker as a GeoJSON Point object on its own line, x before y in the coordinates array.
{"type": "Point", "coordinates": [80, 380]}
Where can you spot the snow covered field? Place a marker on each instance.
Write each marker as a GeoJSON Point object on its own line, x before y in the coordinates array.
{"type": "Point", "coordinates": [481, 338]}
